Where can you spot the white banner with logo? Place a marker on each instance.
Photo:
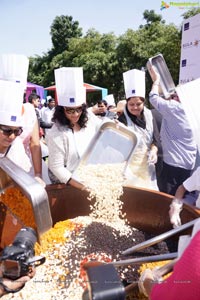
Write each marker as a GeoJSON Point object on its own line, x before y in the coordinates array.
{"type": "Point", "coordinates": [189, 95]}
{"type": "Point", "coordinates": [190, 50]}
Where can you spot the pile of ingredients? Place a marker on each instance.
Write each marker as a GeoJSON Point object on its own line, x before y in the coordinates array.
{"type": "Point", "coordinates": [101, 236]}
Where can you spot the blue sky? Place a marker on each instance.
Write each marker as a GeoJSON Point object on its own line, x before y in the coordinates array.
{"type": "Point", "coordinates": [25, 24]}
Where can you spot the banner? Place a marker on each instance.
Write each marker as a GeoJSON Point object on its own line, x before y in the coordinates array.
{"type": "Point", "coordinates": [190, 50]}
{"type": "Point", "coordinates": [189, 95]}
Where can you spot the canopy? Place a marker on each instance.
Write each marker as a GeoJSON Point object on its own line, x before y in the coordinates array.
{"type": "Point", "coordinates": [89, 88]}
{"type": "Point", "coordinates": [30, 87]}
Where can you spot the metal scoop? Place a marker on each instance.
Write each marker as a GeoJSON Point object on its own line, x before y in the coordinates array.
{"type": "Point", "coordinates": [159, 238]}
{"type": "Point", "coordinates": [132, 261]}
{"type": "Point", "coordinates": [12, 175]}
{"type": "Point", "coordinates": [161, 271]}
{"type": "Point", "coordinates": [104, 289]}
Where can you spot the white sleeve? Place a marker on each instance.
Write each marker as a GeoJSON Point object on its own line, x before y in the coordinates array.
{"type": "Point", "coordinates": [56, 159]}
{"type": "Point", "coordinates": [193, 182]}
{"type": "Point", "coordinates": [18, 155]}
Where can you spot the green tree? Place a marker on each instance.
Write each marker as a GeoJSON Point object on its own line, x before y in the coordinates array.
{"type": "Point", "coordinates": [41, 68]}
{"type": "Point", "coordinates": [191, 12]}
{"type": "Point", "coordinates": [136, 47]}
{"type": "Point", "coordinates": [104, 57]}
{"type": "Point", "coordinates": [151, 17]}
{"type": "Point", "coordinates": [62, 30]}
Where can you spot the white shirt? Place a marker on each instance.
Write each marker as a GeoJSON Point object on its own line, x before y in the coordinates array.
{"type": "Point", "coordinates": [18, 155]}
{"type": "Point", "coordinates": [47, 114]}
{"type": "Point", "coordinates": [66, 147]}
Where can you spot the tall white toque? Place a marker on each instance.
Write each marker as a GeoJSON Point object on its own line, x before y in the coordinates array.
{"type": "Point", "coordinates": [11, 101]}
{"type": "Point", "coordinates": [14, 67]}
{"type": "Point", "coordinates": [134, 83]}
{"type": "Point", "coordinates": [70, 86]}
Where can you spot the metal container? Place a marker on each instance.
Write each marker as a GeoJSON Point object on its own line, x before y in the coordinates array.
{"type": "Point", "coordinates": [167, 86]}
{"type": "Point", "coordinates": [145, 209]}
{"type": "Point", "coordinates": [113, 143]}
{"type": "Point", "coordinates": [12, 175]}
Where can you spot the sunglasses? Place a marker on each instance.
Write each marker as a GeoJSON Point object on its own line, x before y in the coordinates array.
{"type": "Point", "coordinates": [9, 131]}
{"type": "Point", "coordinates": [71, 111]}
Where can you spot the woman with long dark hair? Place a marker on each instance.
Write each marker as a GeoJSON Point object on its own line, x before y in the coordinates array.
{"type": "Point", "coordinates": [74, 127]}
{"type": "Point", "coordinates": [141, 169]}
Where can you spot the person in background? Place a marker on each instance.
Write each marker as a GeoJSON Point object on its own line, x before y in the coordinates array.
{"type": "Point", "coordinates": [101, 110]}
{"type": "Point", "coordinates": [34, 99]}
{"type": "Point", "coordinates": [178, 144]}
{"type": "Point", "coordinates": [74, 127]}
{"type": "Point", "coordinates": [110, 101]}
{"type": "Point", "coordinates": [47, 115]}
{"type": "Point", "coordinates": [43, 106]}
{"type": "Point", "coordinates": [139, 119]}
{"type": "Point", "coordinates": [119, 109]}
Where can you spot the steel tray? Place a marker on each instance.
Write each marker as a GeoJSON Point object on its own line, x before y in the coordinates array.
{"type": "Point", "coordinates": [11, 174]}
{"type": "Point", "coordinates": [113, 143]}
{"type": "Point", "coordinates": [167, 86]}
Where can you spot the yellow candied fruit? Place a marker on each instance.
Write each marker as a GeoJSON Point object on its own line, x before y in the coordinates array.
{"type": "Point", "coordinates": [56, 235]}
{"type": "Point", "coordinates": [153, 265]}
{"type": "Point", "coordinates": [19, 205]}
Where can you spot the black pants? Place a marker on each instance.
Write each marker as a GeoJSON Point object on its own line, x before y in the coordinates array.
{"type": "Point", "coordinates": [171, 177]}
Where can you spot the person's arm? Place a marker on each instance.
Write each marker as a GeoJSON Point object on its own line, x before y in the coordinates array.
{"type": "Point", "coordinates": [156, 81]}
{"type": "Point", "coordinates": [146, 282]}
{"type": "Point", "coordinates": [35, 149]}
{"type": "Point", "coordinates": [77, 184]}
{"type": "Point", "coordinates": [180, 192]}
{"type": "Point", "coordinates": [153, 154]}
{"type": "Point", "coordinates": [13, 286]}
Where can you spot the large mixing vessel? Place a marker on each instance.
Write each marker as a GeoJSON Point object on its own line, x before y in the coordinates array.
{"type": "Point", "coordinates": [145, 209]}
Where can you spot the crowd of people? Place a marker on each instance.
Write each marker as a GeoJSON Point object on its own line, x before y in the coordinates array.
{"type": "Point", "coordinates": [48, 142]}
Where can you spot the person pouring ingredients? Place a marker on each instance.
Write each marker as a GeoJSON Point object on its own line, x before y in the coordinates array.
{"type": "Point", "coordinates": [74, 126]}
{"type": "Point", "coordinates": [141, 170]}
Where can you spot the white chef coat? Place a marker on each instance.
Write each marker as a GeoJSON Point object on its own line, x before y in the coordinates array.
{"type": "Point", "coordinates": [67, 147]}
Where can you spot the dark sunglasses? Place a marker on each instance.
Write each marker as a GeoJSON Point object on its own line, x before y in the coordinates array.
{"type": "Point", "coordinates": [9, 131]}
{"type": "Point", "coordinates": [71, 111]}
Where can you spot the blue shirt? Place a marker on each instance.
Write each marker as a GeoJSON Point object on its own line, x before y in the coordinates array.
{"type": "Point", "coordinates": [178, 144]}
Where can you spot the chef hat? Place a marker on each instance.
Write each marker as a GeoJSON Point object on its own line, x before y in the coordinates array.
{"type": "Point", "coordinates": [110, 100]}
{"type": "Point", "coordinates": [48, 98]}
{"type": "Point", "coordinates": [11, 101]}
{"type": "Point", "coordinates": [120, 106]}
{"type": "Point", "coordinates": [134, 83]}
{"type": "Point", "coordinates": [70, 86]}
{"type": "Point", "coordinates": [14, 67]}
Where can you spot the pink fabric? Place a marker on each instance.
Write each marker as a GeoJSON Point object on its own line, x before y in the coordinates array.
{"type": "Point", "coordinates": [184, 283]}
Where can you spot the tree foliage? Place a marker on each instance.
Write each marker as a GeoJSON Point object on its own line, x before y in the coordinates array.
{"type": "Point", "coordinates": [62, 30]}
{"type": "Point", "coordinates": [190, 13]}
{"type": "Point", "coordinates": [104, 57]}
{"type": "Point", "coordinates": [151, 17]}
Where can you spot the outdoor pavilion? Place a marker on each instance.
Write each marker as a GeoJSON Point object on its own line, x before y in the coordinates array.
{"type": "Point", "coordinates": [89, 88]}
{"type": "Point", "coordinates": [32, 87]}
